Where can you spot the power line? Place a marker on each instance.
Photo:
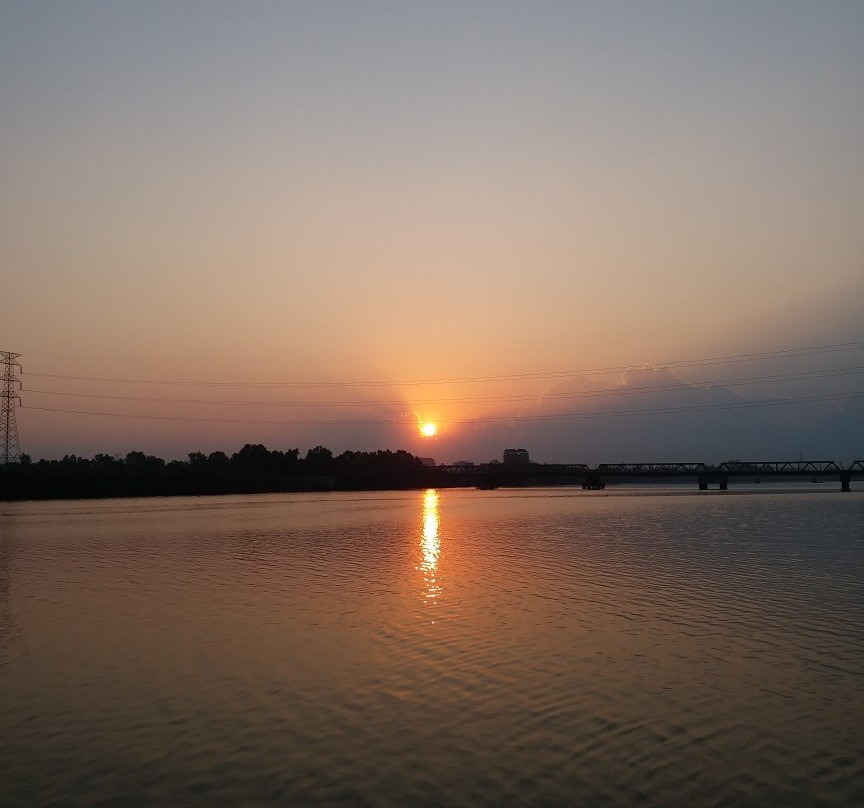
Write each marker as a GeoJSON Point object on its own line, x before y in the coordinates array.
{"type": "Point", "coordinates": [683, 363]}
{"type": "Point", "coordinates": [616, 391]}
{"type": "Point", "coordinates": [485, 419]}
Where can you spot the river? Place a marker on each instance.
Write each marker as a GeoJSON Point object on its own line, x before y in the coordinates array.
{"type": "Point", "coordinates": [547, 647]}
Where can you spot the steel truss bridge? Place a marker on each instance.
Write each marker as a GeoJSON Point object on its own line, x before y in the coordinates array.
{"type": "Point", "coordinates": [498, 475]}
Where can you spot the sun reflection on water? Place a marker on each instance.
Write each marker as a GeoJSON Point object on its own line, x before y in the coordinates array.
{"type": "Point", "coordinates": [430, 545]}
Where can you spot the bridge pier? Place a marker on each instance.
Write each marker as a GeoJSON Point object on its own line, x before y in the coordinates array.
{"type": "Point", "coordinates": [845, 480]}
{"type": "Point", "coordinates": [721, 479]}
{"type": "Point", "coordinates": [593, 482]}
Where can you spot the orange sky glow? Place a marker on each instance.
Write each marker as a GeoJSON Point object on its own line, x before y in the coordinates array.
{"type": "Point", "coordinates": [298, 228]}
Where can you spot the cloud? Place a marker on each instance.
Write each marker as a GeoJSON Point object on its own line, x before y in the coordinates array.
{"type": "Point", "coordinates": [650, 414]}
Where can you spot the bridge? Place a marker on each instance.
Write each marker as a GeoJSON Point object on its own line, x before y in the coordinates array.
{"type": "Point", "coordinates": [521, 475]}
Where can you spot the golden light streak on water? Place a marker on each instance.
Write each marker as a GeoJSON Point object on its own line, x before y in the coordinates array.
{"type": "Point", "coordinates": [430, 545]}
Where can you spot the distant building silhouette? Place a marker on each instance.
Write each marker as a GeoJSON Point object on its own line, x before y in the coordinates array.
{"type": "Point", "coordinates": [516, 457]}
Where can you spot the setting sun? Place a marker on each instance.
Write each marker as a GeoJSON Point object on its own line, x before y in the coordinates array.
{"type": "Point", "coordinates": [428, 429]}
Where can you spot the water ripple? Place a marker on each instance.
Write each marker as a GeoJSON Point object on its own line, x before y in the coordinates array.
{"type": "Point", "coordinates": [430, 649]}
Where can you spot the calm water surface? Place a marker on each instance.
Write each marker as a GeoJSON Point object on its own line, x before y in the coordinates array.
{"type": "Point", "coordinates": [458, 648]}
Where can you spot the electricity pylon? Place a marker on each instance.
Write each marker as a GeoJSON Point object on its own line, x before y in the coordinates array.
{"type": "Point", "coordinates": [10, 449]}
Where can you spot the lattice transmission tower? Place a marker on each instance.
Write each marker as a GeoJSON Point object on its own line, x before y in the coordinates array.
{"type": "Point", "coordinates": [10, 448]}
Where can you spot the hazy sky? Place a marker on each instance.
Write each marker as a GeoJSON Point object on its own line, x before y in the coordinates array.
{"type": "Point", "coordinates": [320, 204]}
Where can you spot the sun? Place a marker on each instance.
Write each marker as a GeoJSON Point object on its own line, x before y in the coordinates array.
{"type": "Point", "coordinates": [428, 429]}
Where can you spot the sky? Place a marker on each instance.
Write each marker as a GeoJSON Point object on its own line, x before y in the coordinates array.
{"type": "Point", "coordinates": [600, 231]}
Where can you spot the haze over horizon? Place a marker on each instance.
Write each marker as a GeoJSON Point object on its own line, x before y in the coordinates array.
{"type": "Point", "coordinates": [605, 231]}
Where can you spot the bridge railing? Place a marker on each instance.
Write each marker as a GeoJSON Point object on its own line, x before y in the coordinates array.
{"type": "Point", "coordinates": [780, 466]}
{"type": "Point", "coordinates": [652, 468]}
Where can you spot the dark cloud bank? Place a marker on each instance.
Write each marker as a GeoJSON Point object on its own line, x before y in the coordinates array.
{"type": "Point", "coordinates": [582, 421]}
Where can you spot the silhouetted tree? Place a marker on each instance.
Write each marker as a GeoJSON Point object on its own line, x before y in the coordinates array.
{"type": "Point", "coordinates": [253, 469]}
{"type": "Point", "coordinates": [318, 460]}
{"type": "Point", "coordinates": [218, 460]}
{"type": "Point", "coordinates": [142, 462]}
{"type": "Point", "coordinates": [253, 456]}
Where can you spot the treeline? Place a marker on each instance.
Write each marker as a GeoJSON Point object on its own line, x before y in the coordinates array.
{"type": "Point", "coordinates": [254, 469]}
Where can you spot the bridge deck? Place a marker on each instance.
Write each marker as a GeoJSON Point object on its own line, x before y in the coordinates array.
{"type": "Point", "coordinates": [494, 475]}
